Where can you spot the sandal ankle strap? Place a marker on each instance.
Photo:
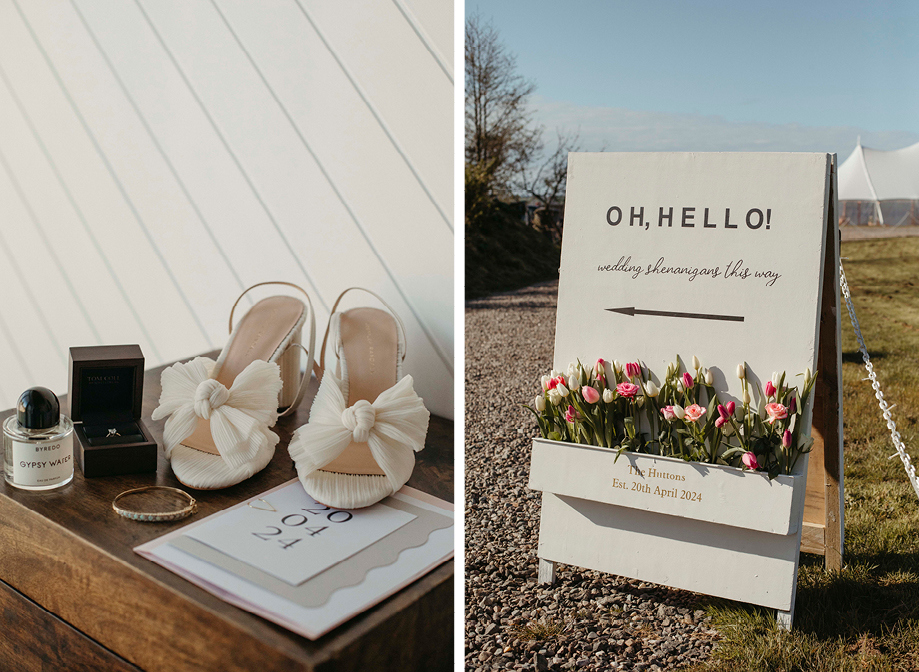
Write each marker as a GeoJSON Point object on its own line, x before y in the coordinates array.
{"type": "Point", "coordinates": [310, 352]}
{"type": "Point", "coordinates": [325, 338]}
{"type": "Point", "coordinates": [262, 284]}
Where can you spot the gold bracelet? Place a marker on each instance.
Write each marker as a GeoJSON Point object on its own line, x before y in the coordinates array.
{"type": "Point", "coordinates": [156, 516]}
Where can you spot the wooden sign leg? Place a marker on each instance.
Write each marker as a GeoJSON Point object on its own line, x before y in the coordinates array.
{"type": "Point", "coordinates": [546, 572]}
{"type": "Point", "coordinates": [832, 377]}
{"type": "Point", "coordinates": [784, 618]}
{"type": "Point", "coordinates": [823, 508]}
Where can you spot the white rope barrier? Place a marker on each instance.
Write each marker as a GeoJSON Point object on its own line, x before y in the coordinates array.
{"type": "Point", "coordinates": [885, 409]}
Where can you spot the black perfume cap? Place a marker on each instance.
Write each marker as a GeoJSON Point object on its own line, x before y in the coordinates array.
{"type": "Point", "coordinates": [38, 408]}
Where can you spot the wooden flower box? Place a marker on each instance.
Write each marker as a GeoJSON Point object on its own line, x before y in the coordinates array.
{"type": "Point", "coordinates": [707, 528]}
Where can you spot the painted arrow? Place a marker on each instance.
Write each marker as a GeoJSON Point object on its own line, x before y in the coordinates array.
{"type": "Point", "coordinates": [632, 311]}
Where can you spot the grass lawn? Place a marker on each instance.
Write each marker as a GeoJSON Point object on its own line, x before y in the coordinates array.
{"type": "Point", "coordinates": [865, 617]}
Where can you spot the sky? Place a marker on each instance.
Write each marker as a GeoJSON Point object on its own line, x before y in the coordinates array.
{"type": "Point", "coordinates": [718, 76]}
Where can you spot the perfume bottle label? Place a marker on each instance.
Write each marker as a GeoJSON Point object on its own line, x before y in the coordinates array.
{"type": "Point", "coordinates": [42, 463]}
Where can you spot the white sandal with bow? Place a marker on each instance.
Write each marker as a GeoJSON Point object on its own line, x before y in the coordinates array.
{"type": "Point", "coordinates": [220, 413]}
{"type": "Point", "coordinates": [366, 422]}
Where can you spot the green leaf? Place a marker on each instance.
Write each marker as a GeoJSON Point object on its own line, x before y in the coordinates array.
{"type": "Point", "coordinates": [731, 452]}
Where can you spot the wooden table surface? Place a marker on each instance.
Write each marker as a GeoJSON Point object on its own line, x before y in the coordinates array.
{"type": "Point", "coordinates": [74, 595]}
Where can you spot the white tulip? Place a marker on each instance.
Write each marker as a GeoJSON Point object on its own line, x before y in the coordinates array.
{"type": "Point", "coordinates": [709, 377]}
{"type": "Point", "coordinates": [607, 395]}
{"type": "Point", "coordinates": [540, 403]}
{"type": "Point", "coordinates": [746, 396]}
{"type": "Point", "coordinates": [554, 397]}
{"type": "Point", "coordinates": [671, 369]}
{"type": "Point", "coordinates": [678, 411]}
{"type": "Point", "coordinates": [562, 390]}
{"type": "Point", "coordinates": [553, 373]}
{"type": "Point", "coordinates": [741, 371]}
{"type": "Point", "coordinates": [572, 370]}
{"type": "Point", "coordinates": [807, 375]}
{"type": "Point", "coordinates": [617, 365]}
{"type": "Point", "coordinates": [652, 390]}
{"type": "Point", "coordinates": [775, 378]}
{"type": "Point", "coordinates": [696, 364]}
{"type": "Point", "coordinates": [679, 387]}
{"type": "Point", "coordinates": [544, 381]}
{"type": "Point", "coordinates": [573, 383]}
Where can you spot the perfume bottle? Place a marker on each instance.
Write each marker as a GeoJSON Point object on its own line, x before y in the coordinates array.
{"type": "Point", "coordinates": [38, 443]}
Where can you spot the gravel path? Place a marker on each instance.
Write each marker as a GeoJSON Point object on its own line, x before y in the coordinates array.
{"type": "Point", "coordinates": [588, 620]}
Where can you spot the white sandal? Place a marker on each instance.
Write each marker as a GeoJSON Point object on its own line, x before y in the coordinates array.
{"type": "Point", "coordinates": [220, 412]}
{"type": "Point", "coordinates": [351, 456]}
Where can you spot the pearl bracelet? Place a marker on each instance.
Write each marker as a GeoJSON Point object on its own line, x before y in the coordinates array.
{"type": "Point", "coordinates": [155, 516]}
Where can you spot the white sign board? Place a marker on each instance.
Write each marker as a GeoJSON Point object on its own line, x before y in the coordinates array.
{"type": "Point", "coordinates": [715, 255]}
{"type": "Point", "coordinates": [720, 256]}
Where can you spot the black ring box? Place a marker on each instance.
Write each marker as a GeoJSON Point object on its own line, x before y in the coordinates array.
{"type": "Point", "coordinates": [106, 391]}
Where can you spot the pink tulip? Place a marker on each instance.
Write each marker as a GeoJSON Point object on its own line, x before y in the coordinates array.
{"type": "Point", "coordinates": [627, 390]}
{"type": "Point", "coordinates": [793, 405]}
{"type": "Point", "coordinates": [632, 369]}
{"type": "Point", "coordinates": [552, 384]}
{"type": "Point", "coordinates": [600, 368]}
{"type": "Point", "coordinates": [572, 414]}
{"type": "Point", "coordinates": [591, 396]}
{"type": "Point", "coordinates": [749, 460]}
{"type": "Point", "coordinates": [730, 406]}
{"type": "Point", "coordinates": [687, 381]}
{"type": "Point", "coordinates": [668, 413]}
{"type": "Point", "coordinates": [770, 389]}
{"type": "Point", "coordinates": [694, 412]}
{"type": "Point", "coordinates": [723, 416]}
{"type": "Point", "coordinates": [776, 412]}
{"type": "Point", "coordinates": [786, 439]}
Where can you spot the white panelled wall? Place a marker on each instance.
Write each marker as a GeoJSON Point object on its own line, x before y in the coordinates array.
{"type": "Point", "coordinates": [157, 157]}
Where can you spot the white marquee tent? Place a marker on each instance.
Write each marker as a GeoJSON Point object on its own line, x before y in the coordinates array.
{"type": "Point", "coordinates": [874, 175]}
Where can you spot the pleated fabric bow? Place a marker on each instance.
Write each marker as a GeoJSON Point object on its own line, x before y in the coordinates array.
{"type": "Point", "coordinates": [239, 416]}
{"type": "Point", "coordinates": [393, 426]}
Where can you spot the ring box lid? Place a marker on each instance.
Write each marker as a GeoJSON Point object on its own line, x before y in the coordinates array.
{"type": "Point", "coordinates": [105, 383]}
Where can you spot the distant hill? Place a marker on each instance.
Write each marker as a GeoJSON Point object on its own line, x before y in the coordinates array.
{"type": "Point", "coordinates": [504, 253]}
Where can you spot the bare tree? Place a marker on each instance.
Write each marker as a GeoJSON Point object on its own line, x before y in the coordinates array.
{"type": "Point", "coordinates": [500, 136]}
{"type": "Point", "coordinates": [547, 181]}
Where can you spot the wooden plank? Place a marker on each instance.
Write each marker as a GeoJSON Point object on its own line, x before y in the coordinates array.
{"type": "Point", "coordinates": [784, 619]}
{"type": "Point", "coordinates": [812, 538]}
{"type": "Point", "coordinates": [160, 622]}
{"type": "Point", "coordinates": [85, 266]}
{"type": "Point", "coordinates": [117, 230]}
{"type": "Point", "coordinates": [814, 500]}
{"type": "Point", "coordinates": [392, 68]}
{"type": "Point", "coordinates": [546, 572]}
{"type": "Point", "coordinates": [35, 640]}
{"type": "Point", "coordinates": [645, 545]}
{"type": "Point", "coordinates": [831, 374]}
{"type": "Point", "coordinates": [823, 501]}
{"type": "Point", "coordinates": [692, 490]}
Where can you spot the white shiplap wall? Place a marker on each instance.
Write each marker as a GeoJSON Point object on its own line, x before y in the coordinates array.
{"type": "Point", "coordinates": [157, 157]}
